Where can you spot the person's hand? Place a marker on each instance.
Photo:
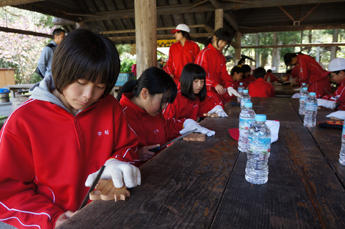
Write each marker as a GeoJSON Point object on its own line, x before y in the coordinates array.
{"type": "Point", "coordinates": [219, 89]}
{"type": "Point", "coordinates": [63, 217]}
{"type": "Point", "coordinates": [191, 125]}
{"type": "Point", "coordinates": [219, 111]}
{"type": "Point", "coordinates": [145, 153]}
{"type": "Point", "coordinates": [232, 91]}
{"type": "Point", "coordinates": [122, 173]}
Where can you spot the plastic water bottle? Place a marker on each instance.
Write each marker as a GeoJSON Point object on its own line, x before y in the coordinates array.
{"type": "Point", "coordinates": [259, 151]}
{"type": "Point", "coordinates": [310, 110]}
{"type": "Point", "coordinates": [302, 99]}
{"type": "Point", "coordinates": [342, 150]}
{"type": "Point", "coordinates": [247, 117]}
{"type": "Point", "coordinates": [240, 89]}
{"type": "Point", "coordinates": [245, 98]}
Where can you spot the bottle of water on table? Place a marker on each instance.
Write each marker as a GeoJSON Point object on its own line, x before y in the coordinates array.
{"type": "Point", "coordinates": [342, 150]}
{"type": "Point", "coordinates": [247, 117]}
{"type": "Point", "coordinates": [245, 98]}
{"type": "Point", "coordinates": [240, 89]}
{"type": "Point", "coordinates": [302, 100]}
{"type": "Point", "coordinates": [310, 110]}
{"type": "Point", "coordinates": [259, 138]}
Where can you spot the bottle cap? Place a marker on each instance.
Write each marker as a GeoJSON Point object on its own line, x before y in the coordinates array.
{"type": "Point", "coordinates": [260, 118]}
{"type": "Point", "coordinates": [304, 88]}
{"type": "Point", "coordinates": [312, 94]}
{"type": "Point", "coordinates": [241, 83]}
{"type": "Point", "coordinates": [245, 91]}
{"type": "Point", "coordinates": [248, 105]}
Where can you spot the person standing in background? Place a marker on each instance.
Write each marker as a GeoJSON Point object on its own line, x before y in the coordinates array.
{"type": "Point", "coordinates": [307, 70]}
{"type": "Point", "coordinates": [44, 65]}
{"type": "Point", "coordinates": [182, 52]}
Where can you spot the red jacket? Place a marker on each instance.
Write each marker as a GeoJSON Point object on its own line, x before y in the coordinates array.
{"type": "Point", "coordinates": [46, 154]}
{"type": "Point", "coordinates": [338, 96]}
{"type": "Point", "coordinates": [260, 88]}
{"type": "Point", "coordinates": [307, 70]}
{"type": "Point", "coordinates": [182, 108]}
{"type": "Point", "coordinates": [179, 56]}
{"type": "Point", "coordinates": [150, 129]}
{"type": "Point", "coordinates": [270, 77]}
{"type": "Point", "coordinates": [213, 61]}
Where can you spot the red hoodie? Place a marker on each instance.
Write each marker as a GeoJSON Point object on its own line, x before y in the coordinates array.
{"type": "Point", "coordinates": [182, 108]}
{"type": "Point", "coordinates": [46, 154]}
{"type": "Point", "coordinates": [214, 64]}
{"type": "Point", "coordinates": [260, 88]}
{"type": "Point", "coordinates": [149, 129]}
{"type": "Point", "coordinates": [307, 70]}
{"type": "Point", "coordinates": [338, 96]}
{"type": "Point", "coordinates": [179, 56]}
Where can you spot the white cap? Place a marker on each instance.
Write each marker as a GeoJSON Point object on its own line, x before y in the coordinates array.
{"type": "Point", "coordinates": [181, 27]}
{"type": "Point", "coordinates": [336, 64]}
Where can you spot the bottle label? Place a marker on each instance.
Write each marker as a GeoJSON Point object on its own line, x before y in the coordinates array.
{"type": "Point", "coordinates": [245, 123]}
{"type": "Point", "coordinates": [302, 98]}
{"type": "Point", "coordinates": [244, 100]}
{"type": "Point", "coordinates": [259, 145]}
{"type": "Point", "coordinates": [311, 106]}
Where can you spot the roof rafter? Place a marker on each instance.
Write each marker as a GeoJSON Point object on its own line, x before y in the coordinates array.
{"type": "Point", "coordinates": [17, 2]}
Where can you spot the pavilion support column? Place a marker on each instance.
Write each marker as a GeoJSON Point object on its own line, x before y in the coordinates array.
{"type": "Point", "coordinates": [237, 46]}
{"type": "Point", "coordinates": [218, 19]}
{"type": "Point", "coordinates": [145, 34]}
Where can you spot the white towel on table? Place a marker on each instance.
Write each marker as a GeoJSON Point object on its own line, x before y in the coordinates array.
{"type": "Point", "coordinates": [337, 114]}
{"type": "Point", "coordinates": [274, 129]}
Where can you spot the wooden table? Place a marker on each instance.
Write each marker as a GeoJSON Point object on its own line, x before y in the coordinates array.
{"type": "Point", "coordinates": [19, 88]}
{"type": "Point", "coordinates": [284, 90]}
{"type": "Point", "coordinates": [202, 185]}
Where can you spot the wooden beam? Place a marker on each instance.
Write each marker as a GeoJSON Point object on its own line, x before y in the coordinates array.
{"type": "Point", "coordinates": [159, 36]}
{"type": "Point", "coordinates": [293, 45]}
{"type": "Point", "coordinates": [289, 28]}
{"type": "Point", "coordinates": [206, 27]}
{"type": "Point", "coordinates": [218, 18]}
{"type": "Point", "coordinates": [25, 32]}
{"type": "Point", "coordinates": [229, 18]}
{"type": "Point", "coordinates": [17, 2]}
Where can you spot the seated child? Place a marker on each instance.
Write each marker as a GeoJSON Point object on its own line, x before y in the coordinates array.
{"type": "Point", "coordinates": [270, 77]}
{"type": "Point", "coordinates": [337, 69]}
{"type": "Point", "coordinates": [69, 128]}
{"type": "Point", "coordinates": [260, 88]}
{"type": "Point", "coordinates": [237, 76]}
{"type": "Point", "coordinates": [143, 101]}
{"type": "Point", "coordinates": [192, 92]}
{"type": "Point", "coordinates": [247, 76]}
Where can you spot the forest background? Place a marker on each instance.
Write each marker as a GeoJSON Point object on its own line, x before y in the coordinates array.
{"type": "Point", "coordinates": [21, 52]}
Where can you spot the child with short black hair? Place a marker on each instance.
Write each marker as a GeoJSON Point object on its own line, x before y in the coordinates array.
{"type": "Point", "coordinates": [60, 137]}
{"type": "Point", "coordinates": [260, 88]}
{"type": "Point", "coordinates": [143, 101]}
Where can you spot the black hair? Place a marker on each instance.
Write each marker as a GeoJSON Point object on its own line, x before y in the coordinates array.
{"type": "Point", "coordinates": [190, 73]}
{"type": "Point", "coordinates": [259, 72]}
{"type": "Point", "coordinates": [85, 55]}
{"type": "Point", "coordinates": [236, 69]}
{"type": "Point", "coordinates": [221, 34]}
{"type": "Point", "coordinates": [57, 32]}
{"type": "Point", "coordinates": [288, 57]}
{"type": "Point", "coordinates": [246, 68]}
{"type": "Point", "coordinates": [269, 70]}
{"type": "Point", "coordinates": [186, 35]}
{"type": "Point", "coordinates": [156, 81]}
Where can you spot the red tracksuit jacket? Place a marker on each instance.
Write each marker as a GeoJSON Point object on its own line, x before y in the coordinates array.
{"type": "Point", "coordinates": [270, 77]}
{"type": "Point", "coordinates": [307, 70]}
{"type": "Point", "coordinates": [179, 56]}
{"type": "Point", "coordinates": [149, 129]}
{"type": "Point", "coordinates": [260, 88]}
{"type": "Point", "coordinates": [338, 96]}
{"type": "Point", "coordinates": [182, 108]}
{"type": "Point", "coordinates": [213, 61]}
{"type": "Point", "coordinates": [46, 154]}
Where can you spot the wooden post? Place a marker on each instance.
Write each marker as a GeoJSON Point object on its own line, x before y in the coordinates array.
{"type": "Point", "coordinates": [334, 48]}
{"type": "Point", "coordinates": [145, 34]}
{"type": "Point", "coordinates": [237, 47]}
{"type": "Point", "coordinates": [275, 54]}
{"type": "Point", "coordinates": [218, 19]}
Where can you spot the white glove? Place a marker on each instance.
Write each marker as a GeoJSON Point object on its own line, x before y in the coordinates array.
{"type": "Point", "coordinates": [232, 91]}
{"type": "Point", "coordinates": [218, 110]}
{"type": "Point", "coordinates": [190, 124]}
{"type": "Point", "coordinates": [326, 103]}
{"type": "Point", "coordinates": [120, 172]}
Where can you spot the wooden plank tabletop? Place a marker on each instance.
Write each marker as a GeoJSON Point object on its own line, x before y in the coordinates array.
{"type": "Point", "coordinates": [202, 185]}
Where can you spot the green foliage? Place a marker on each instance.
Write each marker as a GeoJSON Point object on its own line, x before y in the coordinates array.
{"type": "Point", "coordinates": [126, 65]}
{"type": "Point", "coordinates": [45, 21]}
